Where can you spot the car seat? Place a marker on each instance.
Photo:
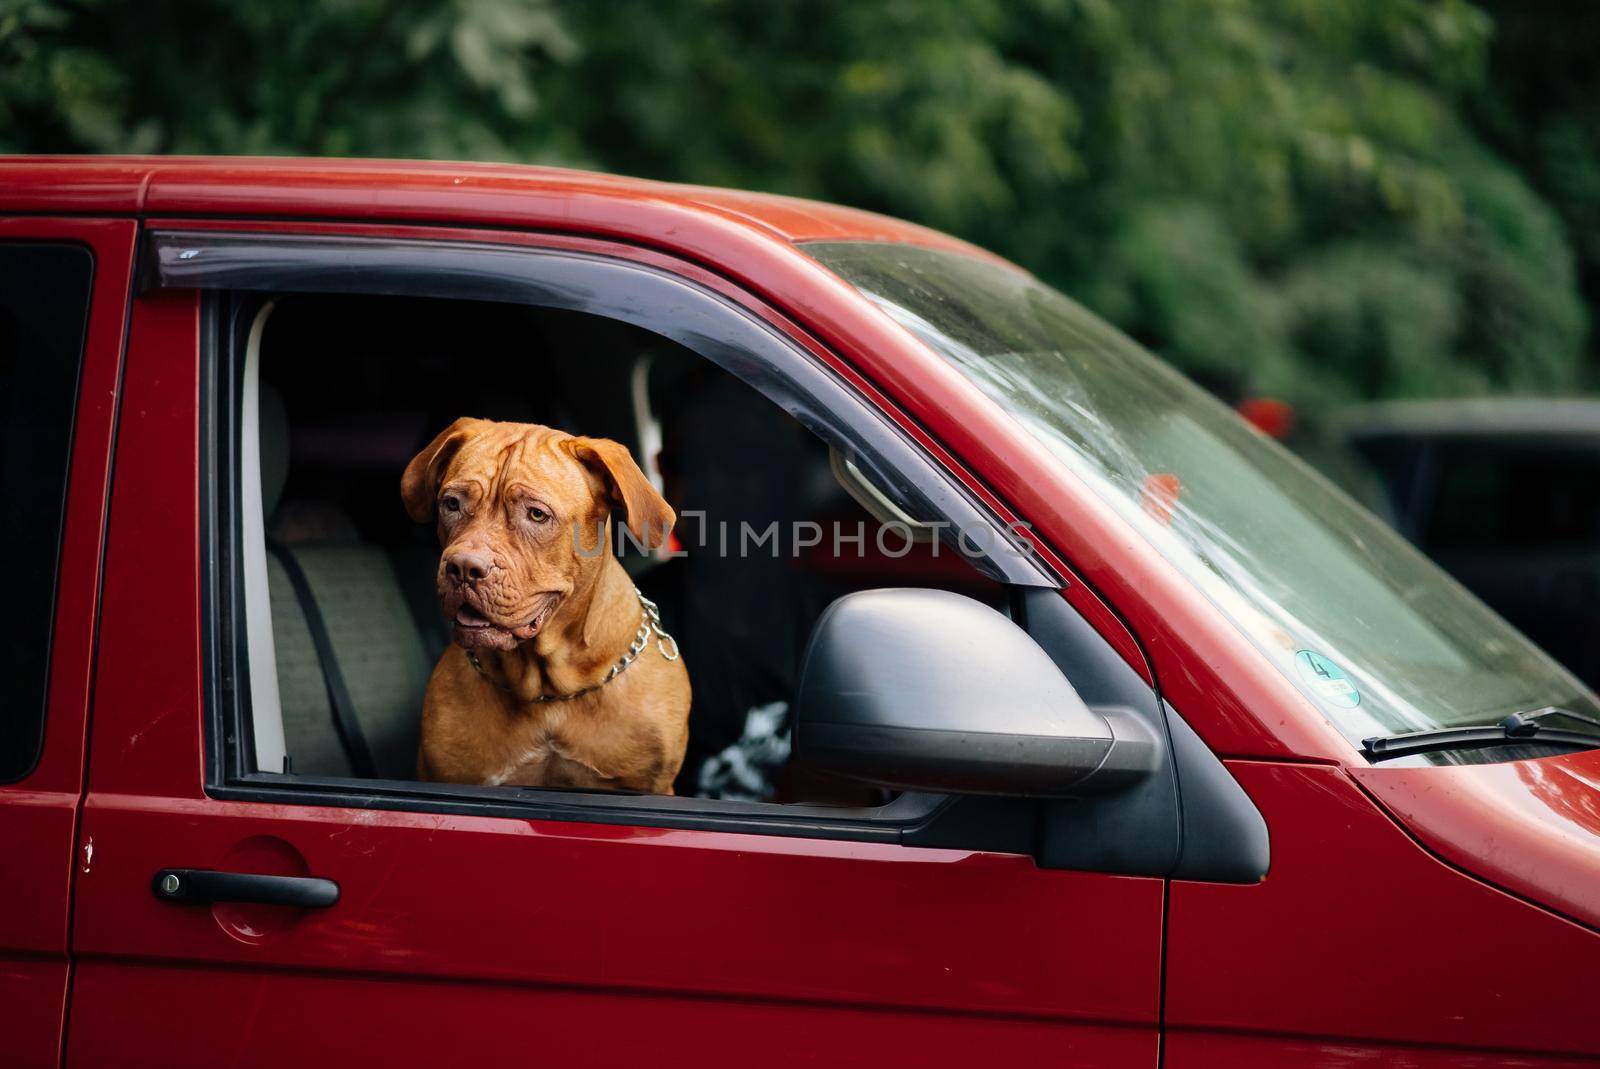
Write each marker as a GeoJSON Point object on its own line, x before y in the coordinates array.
{"type": "Point", "coordinates": [351, 656]}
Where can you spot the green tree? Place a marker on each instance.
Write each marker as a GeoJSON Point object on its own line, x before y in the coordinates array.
{"type": "Point", "coordinates": [1289, 196]}
{"type": "Point", "coordinates": [1540, 107]}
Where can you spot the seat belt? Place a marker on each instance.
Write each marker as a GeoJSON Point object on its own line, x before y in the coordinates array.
{"type": "Point", "coordinates": [423, 604]}
{"type": "Point", "coordinates": [345, 724]}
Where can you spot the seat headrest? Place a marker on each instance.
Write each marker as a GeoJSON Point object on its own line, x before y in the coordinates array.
{"type": "Point", "coordinates": [274, 447]}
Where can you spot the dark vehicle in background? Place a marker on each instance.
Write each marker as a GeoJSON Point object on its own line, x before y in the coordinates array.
{"type": "Point", "coordinates": [1505, 495]}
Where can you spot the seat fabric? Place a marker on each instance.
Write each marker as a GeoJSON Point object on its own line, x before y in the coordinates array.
{"type": "Point", "coordinates": [379, 652]}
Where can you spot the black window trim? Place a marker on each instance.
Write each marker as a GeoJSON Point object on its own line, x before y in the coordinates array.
{"type": "Point", "coordinates": [239, 272]}
{"type": "Point", "coordinates": [25, 771]}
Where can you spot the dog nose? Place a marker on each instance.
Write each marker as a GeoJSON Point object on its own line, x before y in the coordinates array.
{"type": "Point", "coordinates": [466, 566]}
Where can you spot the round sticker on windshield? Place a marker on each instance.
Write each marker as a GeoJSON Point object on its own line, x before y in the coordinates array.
{"type": "Point", "coordinates": [1326, 679]}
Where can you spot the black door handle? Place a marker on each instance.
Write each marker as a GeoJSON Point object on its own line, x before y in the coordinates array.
{"type": "Point", "coordinates": [208, 885]}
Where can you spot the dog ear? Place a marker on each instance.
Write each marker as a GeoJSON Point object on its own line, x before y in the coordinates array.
{"type": "Point", "coordinates": [419, 485]}
{"type": "Point", "coordinates": [649, 515]}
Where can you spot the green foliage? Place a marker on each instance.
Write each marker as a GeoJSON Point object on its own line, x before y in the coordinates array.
{"type": "Point", "coordinates": [1540, 108]}
{"type": "Point", "coordinates": [1278, 195]}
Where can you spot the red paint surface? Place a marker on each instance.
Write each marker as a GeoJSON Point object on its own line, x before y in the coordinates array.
{"type": "Point", "coordinates": [33, 997]}
{"type": "Point", "coordinates": [147, 678]}
{"type": "Point", "coordinates": [1532, 827]}
{"type": "Point", "coordinates": [238, 1022]}
{"type": "Point", "coordinates": [441, 192]}
{"type": "Point", "coordinates": [1360, 934]}
{"type": "Point", "coordinates": [604, 910]}
{"type": "Point", "coordinates": [38, 814]}
{"type": "Point", "coordinates": [1275, 1052]}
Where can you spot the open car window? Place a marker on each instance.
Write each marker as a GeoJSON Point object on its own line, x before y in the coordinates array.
{"type": "Point", "coordinates": [334, 393]}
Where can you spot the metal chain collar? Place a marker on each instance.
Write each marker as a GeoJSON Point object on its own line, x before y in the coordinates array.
{"type": "Point", "coordinates": [650, 621]}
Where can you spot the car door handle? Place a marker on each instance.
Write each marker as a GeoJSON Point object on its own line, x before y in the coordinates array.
{"type": "Point", "coordinates": [208, 885]}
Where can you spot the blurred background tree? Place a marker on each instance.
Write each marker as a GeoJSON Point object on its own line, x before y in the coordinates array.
{"type": "Point", "coordinates": [1325, 200]}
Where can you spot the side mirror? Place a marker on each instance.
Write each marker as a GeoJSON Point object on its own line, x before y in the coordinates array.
{"type": "Point", "coordinates": [930, 690]}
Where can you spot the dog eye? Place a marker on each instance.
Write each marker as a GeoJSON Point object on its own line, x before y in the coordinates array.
{"type": "Point", "coordinates": [450, 504]}
{"type": "Point", "coordinates": [537, 514]}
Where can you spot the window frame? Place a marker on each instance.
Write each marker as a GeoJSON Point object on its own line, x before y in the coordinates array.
{"type": "Point", "coordinates": [238, 271]}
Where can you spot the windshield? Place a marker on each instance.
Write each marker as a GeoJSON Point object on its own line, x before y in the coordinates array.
{"type": "Point", "coordinates": [1376, 635]}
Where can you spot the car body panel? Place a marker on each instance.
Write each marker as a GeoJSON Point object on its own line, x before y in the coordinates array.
{"type": "Point", "coordinates": [1531, 826]}
{"type": "Point", "coordinates": [546, 907]}
{"type": "Point", "coordinates": [1359, 933]}
{"type": "Point", "coordinates": [1273, 1052]}
{"type": "Point", "coordinates": [473, 1024]}
{"type": "Point", "coordinates": [38, 814]}
{"type": "Point", "coordinates": [411, 190]}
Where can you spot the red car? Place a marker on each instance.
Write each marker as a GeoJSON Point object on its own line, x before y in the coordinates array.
{"type": "Point", "coordinates": [1053, 716]}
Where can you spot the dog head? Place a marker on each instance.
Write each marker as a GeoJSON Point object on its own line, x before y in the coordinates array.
{"type": "Point", "coordinates": [523, 513]}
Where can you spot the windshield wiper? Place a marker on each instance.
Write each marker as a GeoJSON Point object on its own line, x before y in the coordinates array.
{"type": "Point", "coordinates": [1518, 727]}
{"type": "Point", "coordinates": [1524, 724]}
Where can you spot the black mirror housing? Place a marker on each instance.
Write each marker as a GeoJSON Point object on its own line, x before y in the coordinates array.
{"type": "Point", "coordinates": [931, 690]}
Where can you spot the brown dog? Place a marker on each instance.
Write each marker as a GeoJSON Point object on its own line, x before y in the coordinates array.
{"type": "Point", "coordinates": [532, 693]}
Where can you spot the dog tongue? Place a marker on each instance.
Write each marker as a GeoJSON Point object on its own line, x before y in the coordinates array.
{"type": "Point", "coordinates": [470, 617]}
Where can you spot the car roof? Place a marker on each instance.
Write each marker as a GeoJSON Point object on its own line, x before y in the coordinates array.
{"type": "Point", "coordinates": [1476, 417]}
{"type": "Point", "coordinates": [403, 190]}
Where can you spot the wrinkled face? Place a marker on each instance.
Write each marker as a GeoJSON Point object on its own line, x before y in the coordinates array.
{"type": "Point", "coordinates": [521, 512]}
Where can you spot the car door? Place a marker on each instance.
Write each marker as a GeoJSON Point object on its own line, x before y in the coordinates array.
{"type": "Point", "coordinates": [63, 300]}
{"type": "Point", "coordinates": [475, 926]}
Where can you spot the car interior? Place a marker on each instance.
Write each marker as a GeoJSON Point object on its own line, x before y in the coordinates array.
{"type": "Point", "coordinates": [349, 388]}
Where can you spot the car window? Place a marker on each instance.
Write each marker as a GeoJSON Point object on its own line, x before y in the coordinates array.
{"type": "Point", "coordinates": [345, 620]}
{"type": "Point", "coordinates": [44, 309]}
